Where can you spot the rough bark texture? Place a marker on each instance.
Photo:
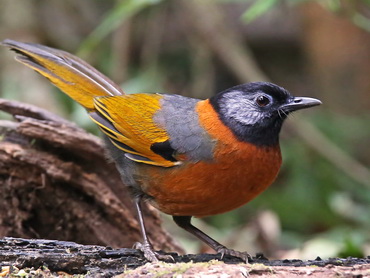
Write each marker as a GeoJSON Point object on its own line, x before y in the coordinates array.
{"type": "Point", "coordinates": [99, 261]}
{"type": "Point", "coordinates": [56, 183]}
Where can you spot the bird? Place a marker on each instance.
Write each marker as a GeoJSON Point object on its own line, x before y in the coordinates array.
{"type": "Point", "coordinates": [186, 157]}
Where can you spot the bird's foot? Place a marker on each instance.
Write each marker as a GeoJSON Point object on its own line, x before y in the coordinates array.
{"type": "Point", "coordinates": [241, 255]}
{"type": "Point", "coordinates": [150, 254]}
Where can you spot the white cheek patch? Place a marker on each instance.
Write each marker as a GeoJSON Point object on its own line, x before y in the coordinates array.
{"type": "Point", "coordinates": [241, 109]}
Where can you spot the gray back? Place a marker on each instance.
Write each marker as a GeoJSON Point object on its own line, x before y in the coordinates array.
{"type": "Point", "coordinates": [178, 116]}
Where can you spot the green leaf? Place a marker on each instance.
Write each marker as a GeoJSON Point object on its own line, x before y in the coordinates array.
{"type": "Point", "coordinates": [351, 248]}
{"type": "Point", "coordinates": [332, 5]}
{"type": "Point", "coordinates": [257, 9]}
{"type": "Point", "coordinates": [361, 21]}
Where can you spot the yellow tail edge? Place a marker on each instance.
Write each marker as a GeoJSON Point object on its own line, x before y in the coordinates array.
{"type": "Point", "coordinates": [72, 75]}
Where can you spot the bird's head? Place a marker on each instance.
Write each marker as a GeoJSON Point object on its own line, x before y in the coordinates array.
{"type": "Point", "coordinates": [255, 111]}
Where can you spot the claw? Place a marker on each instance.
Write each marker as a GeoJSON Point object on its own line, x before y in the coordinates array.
{"type": "Point", "coordinates": [185, 223]}
{"type": "Point", "coordinates": [241, 255]}
{"type": "Point", "coordinates": [150, 254]}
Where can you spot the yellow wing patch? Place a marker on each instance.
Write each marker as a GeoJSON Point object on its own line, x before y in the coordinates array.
{"type": "Point", "coordinates": [128, 121]}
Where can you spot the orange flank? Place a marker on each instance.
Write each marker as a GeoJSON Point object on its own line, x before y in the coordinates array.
{"type": "Point", "coordinates": [239, 172]}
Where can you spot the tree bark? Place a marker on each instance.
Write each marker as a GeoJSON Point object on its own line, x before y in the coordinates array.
{"type": "Point", "coordinates": [49, 258]}
{"type": "Point", "coordinates": [56, 183]}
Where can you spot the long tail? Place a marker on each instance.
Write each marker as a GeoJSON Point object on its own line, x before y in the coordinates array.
{"type": "Point", "coordinates": [69, 73]}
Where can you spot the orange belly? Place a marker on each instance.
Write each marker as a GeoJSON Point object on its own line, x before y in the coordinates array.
{"type": "Point", "coordinates": [237, 174]}
{"type": "Point", "coordinates": [208, 188]}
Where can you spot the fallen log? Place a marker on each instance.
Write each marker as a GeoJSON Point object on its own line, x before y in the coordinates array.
{"type": "Point", "coordinates": [56, 183]}
{"type": "Point", "coordinates": [98, 261]}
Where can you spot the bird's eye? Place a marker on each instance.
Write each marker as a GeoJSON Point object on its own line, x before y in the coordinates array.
{"type": "Point", "coordinates": [262, 101]}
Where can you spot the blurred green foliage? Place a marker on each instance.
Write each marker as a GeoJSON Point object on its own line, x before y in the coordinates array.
{"type": "Point", "coordinates": [117, 15]}
{"type": "Point", "coordinates": [259, 7]}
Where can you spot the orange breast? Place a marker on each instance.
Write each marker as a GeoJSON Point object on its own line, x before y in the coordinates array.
{"type": "Point", "coordinates": [238, 173]}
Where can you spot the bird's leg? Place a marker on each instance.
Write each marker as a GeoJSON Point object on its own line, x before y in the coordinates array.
{"type": "Point", "coordinates": [146, 247]}
{"type": "Point", "coordinates": [185, 223]}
